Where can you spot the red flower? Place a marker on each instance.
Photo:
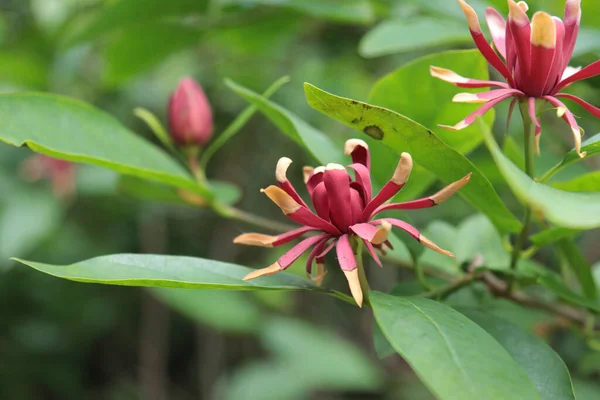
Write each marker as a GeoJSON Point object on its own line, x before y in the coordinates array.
{"type": "Point", "coordinates": [345, 210]}
{"type": "Point", "coordinates": [60, 172]}
{"type": "Point", "coordinates": [535, 63]}
{"type": "Point", "coordinates": [190, 116]}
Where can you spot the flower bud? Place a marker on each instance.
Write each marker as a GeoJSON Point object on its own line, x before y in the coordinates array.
{"type": "Point", "coordinates": [190, 116]}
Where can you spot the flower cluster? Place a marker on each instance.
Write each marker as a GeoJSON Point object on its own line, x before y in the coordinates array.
{"type": "Point", "coordinates": [345, 212]}
{"type": "Point", "coordinates": [535, 63]}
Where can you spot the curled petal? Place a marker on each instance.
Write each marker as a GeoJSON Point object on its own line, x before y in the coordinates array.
{"type": "Point", "coordinates": [359, 150]}
{"type": "Point", "coordinates": [429, 244]}
{"type": "Point", "coordinates": [363, 178]}
{"type": "Point", "coordinates": [382, 234]}
{"type": "Point", "coordinates": [314, 179]}
{"type": "Point", "coordinates": [371, 233]}
{"type": "Point", "coordinates": [569, 118]}
{"type": "Point", "coordinates": [354, 284]}
{"type": "Point", "coordinates": [408, 228]}
{"type": "Point", "coordinates": [480, 112]}
{"type": "Point", "coordinates": [462, 82]}
{"type": "Point", "coordinates": [260, 240]}
{"type": "Point", "coordinates": [588, 72]}
{"type": "Point", "coordinates": [595, 111]}
{"type": "Point", "coordinates": [307, 172]}
{"type": "Point", "coordinates": [270, 270]}
{"type": "Point", "coordinates": [281, 176]}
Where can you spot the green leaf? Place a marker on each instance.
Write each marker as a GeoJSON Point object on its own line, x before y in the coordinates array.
{"type": "Point", "coordinates": [586, 390]}
{"type": "Point", "coordinates": [580, 266]}
{"type": "Point", "coordinates": [513, 152]}
{"type": "Point", "coordinates": [554, 284]}
{"type": "Point", "coordinates": [415, 34]}
{"type": "Point", "coordinates": [552, 235]}
{"type": "Point", "coordinates": [155, 126]}
{"type": "Point", "coordinates": [224, 311]}
{"type": "Point", "coordinates": [565, 209]}
{"type": "Point", "coordinates": [455, 358]}
{"type": "Point", "coordinates": [148, 191]}
{"type": "Point", "coordinates": [590, 146]}
{"type": "Point", "coordinates": [545, 369]}
{"type": "Point", "coordinates": [169, 271]}
{"type": "Point", "coordinates": [584, 183]}
{"type": "Point", "coordinates": [314, 141]}
{"type": "Point", "coordinates": [72, 130]}
{"type": "Point", "coordinates": [402, 134]}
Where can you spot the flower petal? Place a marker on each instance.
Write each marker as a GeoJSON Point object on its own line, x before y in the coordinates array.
{"type": "Point", "coordinates": [319, 247]}
{"type": "Point", "coordinates": [260, 240]}
{"type": "Point", "coordinates": [569, 118]}
{"type": "Point", "coordinates": [412, 231]}
{"type": "Point", "coordinates": [356, 204]}
{"type": "Point", "coordinates": [430, 245]}
{"type": "Point", "coordinates": [558, 69]}
{"type": "Point", "coordinates": [295, 252]}
{"type": "Point", "coordinates": [520, 29]}
{"type": "Point", "coordinates": [354, 284]}
{"type": "Point", "coordinates": [337, 183]}
{"type": "Point", "coordinates": [363, 178]}
{"type": "Point", "coordinates": [588, 72]}
{"type": "Point", "coordinates": [543, 49]}
{"type": "Point", "coordinates": [480, 111]}
{"type": "Point", "coordinates": [345, 253]}
{"type": "Point", "coordinates": [538, 127]}
{"type": "Point", "coordinates": [497, 27]}
{"type": "Point", "coordinates": [571, 21]}
{"type": "Point", "coordinates": [281, 176]}
{"type": "Point", "coordinates": [314, 179]}
{"type": "Point", "coordinates": [371, 233]}
{"type": "Point", "coordinates": [462, 82]}
{"type": "Point", "coordinates": [371, 250]}
{"type": "Point", "coordinates": [484, 97]}
{"type": "Point", "coordinates": [320, 201]}
{"type": "Point", "coordinates": [359, 150]}
{"type": "Point", "coordinates": [595, 111]}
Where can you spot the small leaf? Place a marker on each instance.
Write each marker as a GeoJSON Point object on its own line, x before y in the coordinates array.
{"type": "Point", "coordinates": [402, 134]}
{"type": "Point", "coordinates": [565, 209]}
{"type": "Point", "coordinates": [580, 266]}
{"type": "Point", "coordinates": [453, 356]}
{"type": "Point", "coordinates": [584, 183]}
{"type": "Point", "coordinates": [417, 33]}
{"type": "Point", "coordinates": [155, 126]}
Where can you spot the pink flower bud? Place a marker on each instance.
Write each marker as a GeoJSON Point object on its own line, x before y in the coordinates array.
{"type": "Point", "coordinates": [190, 116]}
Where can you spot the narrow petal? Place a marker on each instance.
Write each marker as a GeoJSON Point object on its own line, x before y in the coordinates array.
{"type": "Point", "coordinates": [557, 70]}
{"type": "Point", "coordinates": [478, 113]}
{"type": "Point", "coordinates": [345, 253]}
{"type": "Point", "coordinates": [497, 27]}
{"type": "Point", "coordinates": [543, 49]}
{"type": "Point", "coordinates": [595, 111]}
{"type": "Point", "coordinates": [588, 72]}
{"type": "Point", "coordinates": [260, 240]}
{"type": "Point", "coordinates": [570, 71]}
{"type": "Point", "coordinates": [314, 179]}
{"type": "Point", "coordinates": [320, 201]}
{"type": "Point", "coordinates": [538, 127]}
{"type": "Point", "coordinates": [371, 233]}
{"type": "Point", "coordinates": [307, 172]}
{"type": "Point", "coordinates": [337, 183]}
{"type": "Point", "coordinates": [430, 245]}
{"type": "Point", "coordinates": [295, 252]}
{"type": "Point", "coordinates": [318, 248]}
{"type": "Point", "coordinates": [371, 250]}
{"type": "Point", "coordinates": [363, 178]}
{"type": "Point", "coordinates": [399, 179]}
{"type": "Point", "coordinates": [427, 202]}
{"type": "Point", "coordinates": [359, 150]}
{"type": "Point", "coordinates": [354, 284]}
{"type": "Point", "coordinates": [481, 42]}
{"type": "Point", "coordinates": [484, 97]}
{"type": "Point", "coordinates": [281, 176]}
{"type": "Point", "coordinates": [382, 234]}
{"type": "Point", "coordinates": [462, 82]}
{"type": "Point", "coordinates": [569, 118]}
{"type": "Point", "coordinates": [519, 26]}
{"type": "Point", "coordinates": [511, 109]}
{"type": "Point", "coordinates": [296, 212]}
{"type": "Point", "coordinates": [408, 228]}
{"type": "Point", "coordinates": [357, 204]}
{"type": "Point", "coordinates": [571, 21]}
{"type": "Point", "coordinates": [270, 270]}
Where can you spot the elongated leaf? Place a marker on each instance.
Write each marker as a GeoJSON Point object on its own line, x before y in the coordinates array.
{"type": "Point", "coordinates": [416, 33]}
{"type": "Point", "coordinates": [71, 130]}
{"type": "Point", "coordinates": [545, 369]}
{"type": "Point", "coordinates": [580, 266]}
{"type": "Point", "coordinates": [453, 356]}
{"type": "Point", "coordinates": [402, 134]}
{"type": "Point", "coordinates": [566, 209]}
{"type": "Point", "coordinates": [591, 146]}
{"type": "Point", "coordinates": [550, 236]}
{"type": "Point", "coordinates": [169, 271]}
{"type": "Point", "coordinates": [554, 284]}
{"type": "Point", "coordinates": [584, 183]}
{"type": "Point", "coordinates": [314, 141]}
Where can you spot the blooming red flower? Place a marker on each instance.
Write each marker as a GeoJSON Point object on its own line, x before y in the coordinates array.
{"type": "Point", "coordinates": [345, 211]}
{"type": "Point", "coordinates": [535, 63]}
{"type": "Point", "coordinates": [190, 115]}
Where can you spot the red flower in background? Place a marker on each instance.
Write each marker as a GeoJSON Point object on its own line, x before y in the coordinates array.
{"type": "Point", "coordinates": [345, 211]}
{"type": "Point", "coordinates": [534, 61]}
{"type": "Point", "coordinates": [60, 172]}
{"type": "Point", "coordinates": [190, 115]}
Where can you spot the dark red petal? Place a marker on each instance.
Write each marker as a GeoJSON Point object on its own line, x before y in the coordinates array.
{"type": "Point", "coordinates": [363, 178]}
{"type": "Point", "coordinates": [337, 183]}
{"type": "Point", "coordinates": [319, 247]}
{"type": "Point", "coordinates": [315, 178]}
{"type": "Point", "coordinates": [371, 251]}
{"type": "Point", "coordinates": [320, 201]}
{"type": "Point", "coordinates": [356, 205]}
{"type": "Point", "coordinates": [295, 252]}
{"type": "Point", "coordinates": [359, 150]}
{"type": "Point", "coordinates": [542, 50]}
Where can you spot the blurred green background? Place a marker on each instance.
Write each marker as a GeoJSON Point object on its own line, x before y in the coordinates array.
{"type": "Point", "coordinates": [65, 340]}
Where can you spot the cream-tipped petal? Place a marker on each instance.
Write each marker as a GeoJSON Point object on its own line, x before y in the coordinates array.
{"type": "Point", "coordinates": [560, 111]}
{"type": "Point", "coordinates": [523, 6]}
{"type": "Point", "coordinates": [319, 170]}
{"type": "Point", "coordinates": [306, 172]}
{"type": "Point", "coordinates": [321, 272]}
{"type": "Point", "coordinates": [449, 190]}
{"type": "Point", "coordinates": [270, 270]}
{"type": "Point", "coordinates": [283, 200]}
{"type": "Point", "coordinates": [333, 167]}
{"type": "Point", "coordinates": [352, 144]}
{"type": "Point", "coordinates": [577, 139]}
{"type": "Point", "coordinates": [430, 245]}
{"type": "Point", "coordinates": [354, 284]}
{"type": "Point", "coordinates": [255, 239]}
{"type": "Point", "coordinates": [446, 75]}
{"type": "Point", "coordinates": [543, 30]}
{"type": "Point", "coordinates": [403, 169]}
{"type": "Point", "coordinates": [382, 233]}
{"type": "Point", "coordinates": [471, 16]}
{"type": "Point", "coordinates": [516, 12]}
{"type": "Point", "coordinates": [468, 98]}
{"type": "Point", "coordinates": [461, 125]}
{"type": "Point", "coordinates": [281, 171]}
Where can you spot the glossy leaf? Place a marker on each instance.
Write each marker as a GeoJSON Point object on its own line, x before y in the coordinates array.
{"type": "Point", "coordinates": [402, 134]}
{"type": "Point", "coordinates": [455, 358]}
{"type": "Point", "coordinates": [169, 271]}
{"type": "Point", "coordinates": [417, 33]}
{"type": "Point", "coordinates": [314, 141]}
{"type": "Point", "coordinates": [584, 183]}
{"type": "Point", "coordinates": [565, 209]}
{"type": "Point", "coordinates": [71, 130]}
{"type": "Point", "coordinates": [580, 266]}
{"type": "Point", "coordinates": [545, 369]}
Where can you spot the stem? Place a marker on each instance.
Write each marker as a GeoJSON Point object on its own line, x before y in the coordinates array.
{"type": "Point", "coordinates": [192, 154]}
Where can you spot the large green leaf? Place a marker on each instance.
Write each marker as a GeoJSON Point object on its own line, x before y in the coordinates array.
{"type": "Point", "coordinates": [584, 183]}
{"type": "Point", "coordinates": [169, 271]}
{"type": "Point", "coordinates": [454, 357]}
{"type": "Point", "coordinates": [416, 33]}
{"type": "Point", "coordinates": [566, 209]}
{"type": "Point", "coordinates": [71, 130]}
{"type": "Point", "coordinates": [402, 134]}
{"type": "Point", "coordinates": [314, 141]}
{"type": "Point", "coordinates": [545, 369]}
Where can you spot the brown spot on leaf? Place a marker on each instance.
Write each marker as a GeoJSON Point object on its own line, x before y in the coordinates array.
{"type": "Point", "coordinates": [374, 131]}
{"type": "Point", "coordinates": [356, 120]}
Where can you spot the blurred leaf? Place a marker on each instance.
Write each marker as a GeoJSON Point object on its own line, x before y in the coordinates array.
{"type": "Point", "coordinates": [554, 284]}
{"type": "Point", "coordinates": [566, 209]}
{"type": "Point", "coordinates": [584, 183]}
{"type": "Point", "coordinates": [403, 134]}
{"type": "Point", "coordinates": [448, 352]}
{"type": "Point", "coordinates": [156, 127]}
{"type": "Point", "coordinates": [120, 13]}
{"type": "Point", "coordinates": [552, 235]}
{"type": "Point", "coordinates": [345, 11]}
{"type": "Point", "coordinates": [95, 181]}
{"type": "Point", "coordinates": [417, 33]}
{"type": "Point", "coordinates": [139, 47]}
{"type": "Point", "coordinates": [587, 40]}
{"type": "Point", "coordinates": [314, 141]}
{"type": "Point", "coordinates": [580, 266]}
{"type": "Point", "coordinates": [149, 191]}
{"type": "Point", "coordinates": [23, 69]}
{"type": "Point", "coordinates": [513, 152]}
{"type": "Point", "coordinates": [545, 369]}
{"type": "Point", "coordinates": [226, 192]}
{"type": "Point", "coordinates": [590, 146]}
{"type": "Point", "coordinates": [305, 359]}
{"type": "Point", "coordinates": [70, 130]}
{"type": "Point", "coordinates": [586, 390]}
{"type": "Point", "coordinates": [224, 311]}
{"type": "Point", "coordinates": [169, 271]}
{"type": "Point", "coordinates": [383, 348]}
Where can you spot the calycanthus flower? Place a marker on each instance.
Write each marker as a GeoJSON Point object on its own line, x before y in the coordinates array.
{"type": "Point", "coordinates": [535, 63]}
{"type": "Point", "coordinates": [345, 211]}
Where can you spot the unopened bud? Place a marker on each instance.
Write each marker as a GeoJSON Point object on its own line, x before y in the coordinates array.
{"type": "Point", "coordinates": [190, 116]}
